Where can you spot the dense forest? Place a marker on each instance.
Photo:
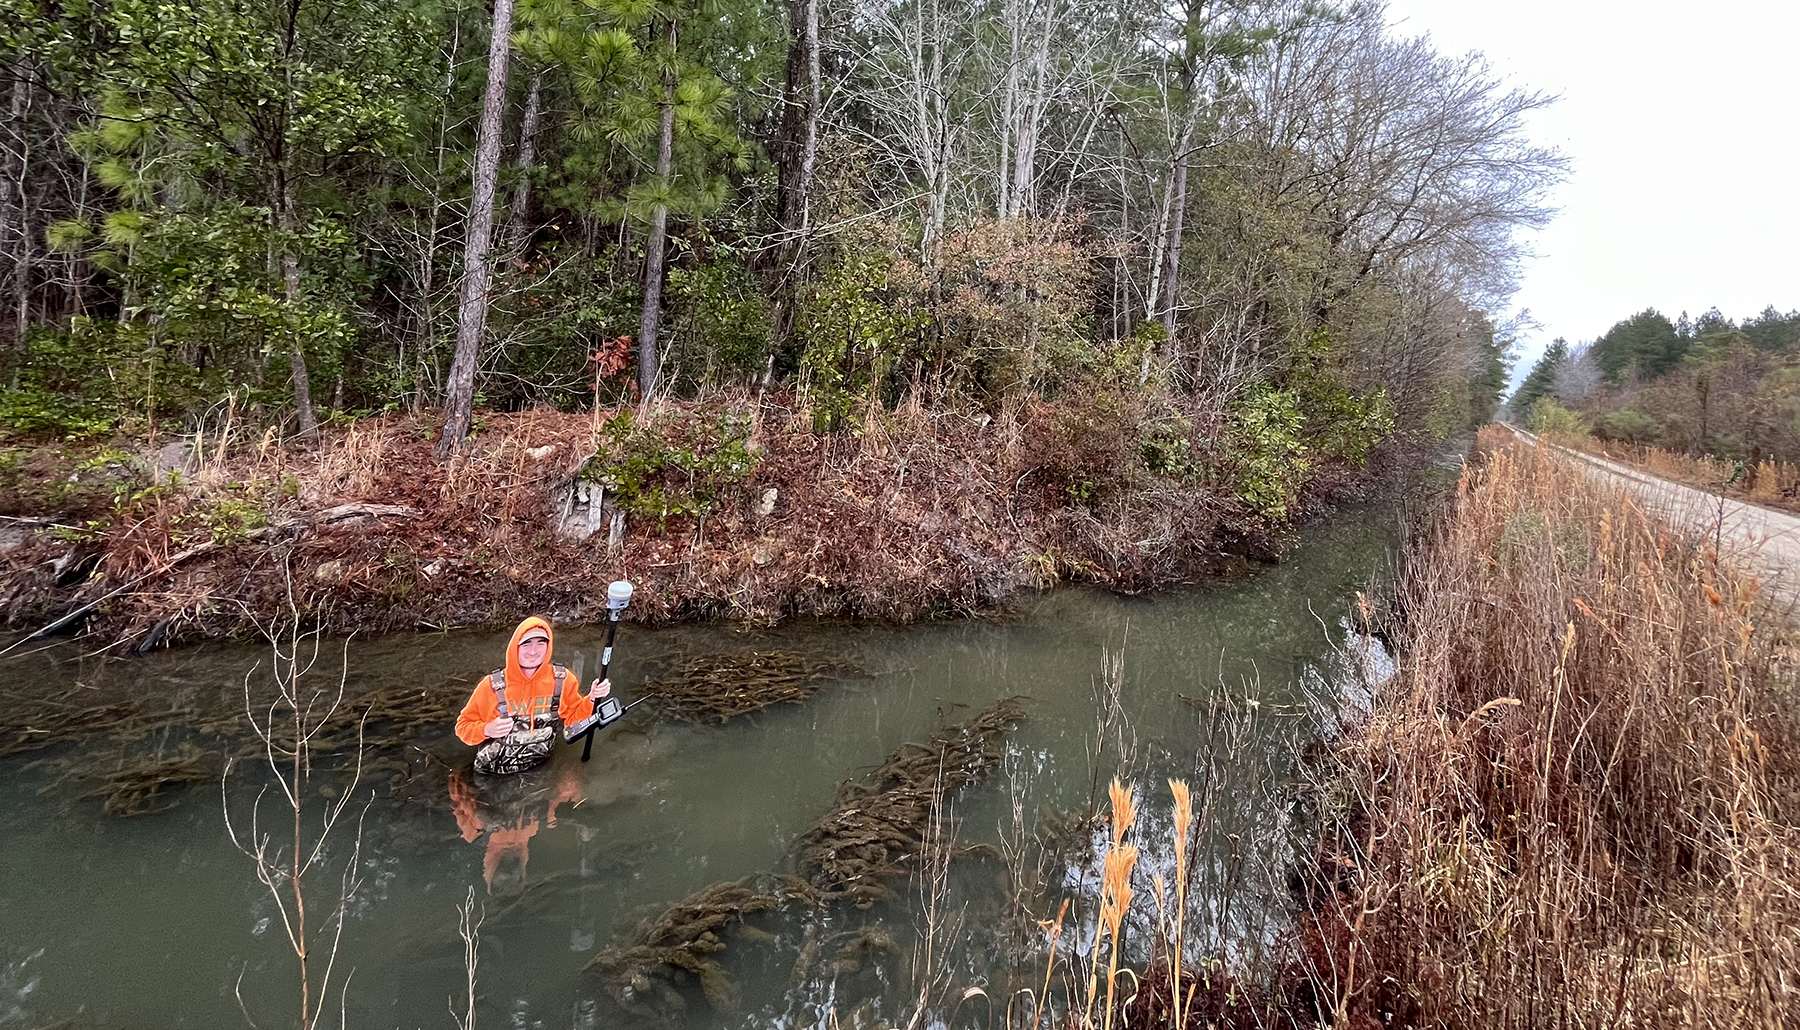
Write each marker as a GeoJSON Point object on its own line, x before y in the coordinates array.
{"type": "Point", "coordinates": [1263, 214]}
{"type": "Point", "coordinates": [1709, 386]}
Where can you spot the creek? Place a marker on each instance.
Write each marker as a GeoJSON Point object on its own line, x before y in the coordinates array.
{"type": "Point", "coordinates": [158, 920]}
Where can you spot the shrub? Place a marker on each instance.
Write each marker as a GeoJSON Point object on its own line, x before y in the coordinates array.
{"type": "Point", "coordinates": [681, 467]}
{"type": "Point", "coordinates": [719, 324]}
{"type": "Point", "coordinates": [1629, 427]}
{"type": "Point", "coordinates": [1270, 454]}
{"type": "Point", "coordinates": [854, 326]}
{"type": "Point", "coordinates": [1548, 416]}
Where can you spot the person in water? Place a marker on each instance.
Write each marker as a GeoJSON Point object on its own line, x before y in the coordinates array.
{"type": "Point", "coordinates": [515, 712]}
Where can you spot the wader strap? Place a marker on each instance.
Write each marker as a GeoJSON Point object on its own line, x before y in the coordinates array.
{"type": "Point", "coordinates": [498, 679]}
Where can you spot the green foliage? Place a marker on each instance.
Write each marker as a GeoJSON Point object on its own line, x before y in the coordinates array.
{"type": "Point", "coordinates": [1549, 416]}
{"type": "Point", "coordinates": [1628, 426]}
{"type": "Point", "coordinates": [225, 131]}
{"type": "Point", "coordinates": [1269, 451]}
{"type": "Point", "coordinates": [719, 325]}
{"type": "Point", "coordinates": [228, 142]}
{"type": "Point", "coordinates": [611, 59]}
{"type": "Point", "coordinates": [854, 327]}
{"type": "Point", "coordinates": [1168, 449]}
{"type": "Point", "coordinates": [1645, 345]}
{"type": "Point", "coordinates": [679, 468]}
{"type": "Point", "coordinates": [1773, 331]}
{"type": "Point", "coordinates": [1340, 423]}
{"type": "Point", "coordinates": [62, 390]}
{"type": "Point", "coordinates": [1541, 379]}
{"type": "Point", "coordinates": [224, 521]}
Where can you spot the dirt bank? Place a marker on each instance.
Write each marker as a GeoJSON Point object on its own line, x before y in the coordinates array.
{"type": "Point", "coordinates": [730, 508]}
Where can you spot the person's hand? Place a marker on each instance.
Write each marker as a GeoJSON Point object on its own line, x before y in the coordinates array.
{"type": "Point", "coordinates": [600, 689]}
{"type": "Point", "coordinates": [499, 726]}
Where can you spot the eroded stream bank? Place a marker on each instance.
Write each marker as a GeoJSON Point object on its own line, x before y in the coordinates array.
{"type": "Point", "coordinates": [736, 509]}
{"type": "Point", "coordinates": [1217, 685]}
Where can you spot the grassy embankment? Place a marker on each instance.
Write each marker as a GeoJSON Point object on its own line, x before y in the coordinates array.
{"type": "Point", "coordinates": [1576, 803]}
{"type": "Point", "coordinates": [732, 506]}
{"type": "Point", "coordinates": [1769, 482]}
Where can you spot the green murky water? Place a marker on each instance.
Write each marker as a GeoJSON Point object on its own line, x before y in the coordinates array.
{"type": "Point", "coordinates": [157, 920]}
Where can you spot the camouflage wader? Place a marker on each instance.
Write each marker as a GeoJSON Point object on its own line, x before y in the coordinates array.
{"type": "Point", "coordinates": [533, 738]}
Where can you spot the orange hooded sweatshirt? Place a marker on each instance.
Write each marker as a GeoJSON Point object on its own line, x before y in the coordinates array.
{"type": "Point", "coordinates": [524, 696]}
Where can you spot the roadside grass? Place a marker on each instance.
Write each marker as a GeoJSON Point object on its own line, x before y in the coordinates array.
{"type": "Point", "coordinates": [1575, 804]}
{"type": "Point", "coordinates": [1769, 482]}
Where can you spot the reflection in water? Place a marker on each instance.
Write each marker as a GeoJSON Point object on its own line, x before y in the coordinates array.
{"type": "Point", "coordinates": [508, 810]}
{"type": "Point", "coordinates": [1220, 686]}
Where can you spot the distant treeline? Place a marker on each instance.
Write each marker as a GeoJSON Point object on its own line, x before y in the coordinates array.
{"type": "Point", "coordinates": [312, 210]}
{"type": "Point", "coordinates": [1709, 385]}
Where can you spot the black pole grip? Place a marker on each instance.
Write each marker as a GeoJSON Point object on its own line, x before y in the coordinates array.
{"type": "Point", "coordinates": [587, 746]}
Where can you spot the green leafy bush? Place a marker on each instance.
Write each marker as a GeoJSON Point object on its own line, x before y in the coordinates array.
{"type": "Point", "coordinates": [1628, 426]}
{"type": "Point", "coordinates": [1269, 451]}
{"type": "Point", "coordinates": [225, 521]}
{"type": "Point", "coordinates": [1549, 416]}
{"type": "Point", "coordinates": [63, 388]}
{"type": "Point", "coordinates": [854, 330]}
{"type": "Point", "coordinates": [1339, 422]}
{"type": "Point", "coordinates": [719, 322]}
{"type": "Point", "coordinates": [680, 467]}
{"type": "Point", "coordinates": [1168, 449]}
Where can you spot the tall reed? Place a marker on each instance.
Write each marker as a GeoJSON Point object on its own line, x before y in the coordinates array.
{"type": "Point", "coordinates": [1576, 800]}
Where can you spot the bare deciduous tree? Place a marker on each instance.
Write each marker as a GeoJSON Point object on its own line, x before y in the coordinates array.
{"type": "Point", "coordinates": [288, 722]}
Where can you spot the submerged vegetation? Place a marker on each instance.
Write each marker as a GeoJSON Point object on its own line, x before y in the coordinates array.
{"type": "Point", "coordinates": [878, 826]}
{"type": "Point", "coordinates": [875, 833]}
{"type": "Point", "coordinates": [721, 687]}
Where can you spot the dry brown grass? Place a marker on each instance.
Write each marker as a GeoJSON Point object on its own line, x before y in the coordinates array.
{"type": "Point", "coordinates": [1578, 795]}
{"type": "Point", "coordinates": [1769, 482]}
{"type": "Point", "coordinates": [915, 513]}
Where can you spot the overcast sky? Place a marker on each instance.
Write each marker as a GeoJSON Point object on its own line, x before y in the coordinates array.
{"type": "Point", "coordinates": [1683, 123]}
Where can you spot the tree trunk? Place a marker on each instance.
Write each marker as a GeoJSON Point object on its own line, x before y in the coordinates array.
{"type": "Point", "coordinates": [15, 220]}
{"type": "Point", "coordinates": [518, 217]}
{"type": "Point", "coordinates": [809, 152]}
{"type": "Point", "coordinates": [1030, 118]}
{"type": "Point", "coordinates": [1172, 273]}
{"type": "Point", "coordinates": [796, 155]}
{"type": "Point", "coordinates": [798, 146]}
{"type": "Point", "coordinates": [659, 223]}
{"type": "Point", "coordinates": [288, 221]}
{"type": "Point", "coordinates": [478, 271]}
{"type": "Point", "coordinates": [1013, 14]}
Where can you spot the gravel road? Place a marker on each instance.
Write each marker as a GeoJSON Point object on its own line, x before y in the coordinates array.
{"type": "Point", "coordinates": [1751, 536]}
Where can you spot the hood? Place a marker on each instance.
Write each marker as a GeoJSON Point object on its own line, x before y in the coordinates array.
{"type": "Point", "coordinates": [514, 674]}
